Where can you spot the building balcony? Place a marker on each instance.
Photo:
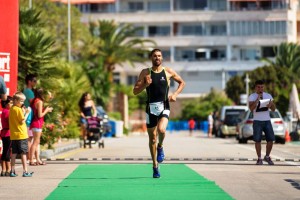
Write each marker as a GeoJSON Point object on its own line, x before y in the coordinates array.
{"type": "Point", "coordinates": [198, 41]}
{"type": "Point", "coordinates": [188, 16]}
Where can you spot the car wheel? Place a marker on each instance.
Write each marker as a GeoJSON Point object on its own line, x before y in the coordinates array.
{"type": "Point", "coordinates": [220, 134]}
{"type": "Point", "coordinates": [280, 140]}
{"type": "Point", "coordinates": [243, 141]}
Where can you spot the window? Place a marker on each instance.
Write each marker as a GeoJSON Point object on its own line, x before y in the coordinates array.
{"type": "Point", "coordinates": [200, 55]}
{"type": "Point", "coordinates": [217, 29]}
{"type": "Point", "coordinates": [243, 28]}
{"type": "Point", "coordinates": [172, 83]}
{"type": "Point", "coordinates": [268, 52]}
{"type": "Point", "coordinates": [140, 31]}
{"type": "Point", "coordinates": [135, 6]}
{"type": "Point", "coordinates": [248, 54]}
{"type": "Point", "coordinates": [217, 4]}
{"type": "Point", "coordinates": [187, 55]}
{"type": "Point", "coordinates": [191, 30]}
{"type": "Point", "coordinates": [131, 80]}
{"type": "Point", "coordinates": [166, 55]}
{"type": "Point", "coordinates": [190, 4]}
{"type": "Point", "coordinates": [159, 30]}
{"type": "Point", "coordinates": [158, 6]}
{"type": "Point", "coordinates": [94, 7]}
{"type": "Point", "coordinates": [116, 78]}
{"type": "Point", "coordinates": [218, 54]}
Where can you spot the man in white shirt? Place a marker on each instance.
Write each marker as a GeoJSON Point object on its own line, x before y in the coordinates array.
{"type": "Point", "coordinates": [260, 104]}
{"type": "Point", "coordinates": [210, 120]}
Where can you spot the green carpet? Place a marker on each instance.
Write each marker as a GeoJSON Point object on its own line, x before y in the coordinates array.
{"type": "Point", "coordinates": [135, 182]}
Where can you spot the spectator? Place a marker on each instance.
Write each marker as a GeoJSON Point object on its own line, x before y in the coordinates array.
{"type": "Point", "coordinates": [192, 124]}
{"type": "Point", "coordinates": [87, 109]}
{"type": "Point", "coordinates": [18, 134]}
{"type": "Point", "coordinates": [37, 123]}
{"type": "Point", "coordinates": [210, 124]}
{"type": "Point", "coordinates": [30, 81]}
{"type": "Point", "coordinates": [262, 121]}
{"type": "Point", "coordinates": [5, 136]}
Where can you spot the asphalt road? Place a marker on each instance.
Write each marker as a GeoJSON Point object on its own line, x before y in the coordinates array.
{"type": "Point", "coordinates": [229, 164]}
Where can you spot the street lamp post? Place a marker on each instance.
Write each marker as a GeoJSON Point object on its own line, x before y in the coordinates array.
{"type": "Point", "coordinates": [69, 31]}
{"type": "Point", "coordinates": [247, 80]}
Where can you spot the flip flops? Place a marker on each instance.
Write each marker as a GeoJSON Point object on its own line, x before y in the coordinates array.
{"type": "Point", "coordinates": [41, 163]}
{"type": "Point", "coordinates": [37, 163]}
{"type": "Point", "coordinates": [32, 163]}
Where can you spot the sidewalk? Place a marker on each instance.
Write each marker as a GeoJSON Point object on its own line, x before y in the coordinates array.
{"type": "Point", "coordinates": [60, 147]}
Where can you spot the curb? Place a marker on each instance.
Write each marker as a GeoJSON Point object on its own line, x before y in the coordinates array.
{"type": "Point", "coordinates": [167, 159]}
{"type": "Point", "coordinates": [48, 153]}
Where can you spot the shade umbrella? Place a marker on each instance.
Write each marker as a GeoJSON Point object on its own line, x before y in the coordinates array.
{"type": "Point", "coordinates": [294, 104]}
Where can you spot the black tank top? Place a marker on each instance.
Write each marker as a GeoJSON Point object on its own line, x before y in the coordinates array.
{"type": "Point", "coordinates": [87, 111]}
{"type": "Point", "coordinates": [158, 90]}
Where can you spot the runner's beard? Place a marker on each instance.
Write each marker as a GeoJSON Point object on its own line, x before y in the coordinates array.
{"type": "Point", "coordinates": [156, 63]}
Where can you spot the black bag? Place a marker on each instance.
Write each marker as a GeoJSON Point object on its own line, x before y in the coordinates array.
{"type": "Point", "coordinates": [294, 134]}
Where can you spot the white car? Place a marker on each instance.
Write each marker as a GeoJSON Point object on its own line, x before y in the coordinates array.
{"type": "Point", "coordinates": [228, 120]}
{"type": "Point", "coordinates": [245, 130]}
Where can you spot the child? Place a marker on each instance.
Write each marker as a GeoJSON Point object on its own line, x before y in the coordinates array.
{"type": "Point", "coordinates": [18, 133]}
{"type": "Point", "coordinates": [5, 136]}
{"type": "Point", "coordinates": [37, 123]}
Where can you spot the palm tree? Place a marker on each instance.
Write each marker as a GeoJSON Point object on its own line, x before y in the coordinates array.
{"type": "Point", "coordinates": [119, 44]}
{"type": "Point", "coordinates": [101, 85]}
{"type": "Point", "coordinates": [115, 44]}
{"type": "Point", "coordinates": [287, 56]}
{"type": "Point", "coordinates": [36, 50]}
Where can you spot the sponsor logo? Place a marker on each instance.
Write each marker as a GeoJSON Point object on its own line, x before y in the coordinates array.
{"type": "Point", "coordinates": [4, 62]}
{"type": "Point", "coordinates": [162, 78]}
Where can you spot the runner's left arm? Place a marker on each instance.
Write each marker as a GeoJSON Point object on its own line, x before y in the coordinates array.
{"type": "Point", "coordinates": [179, 80]}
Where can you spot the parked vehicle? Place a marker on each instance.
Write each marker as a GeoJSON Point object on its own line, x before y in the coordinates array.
{"type": "Point", "coordinates": [228, 120]}
{"type": "Point", "coordinates": [245, 129]}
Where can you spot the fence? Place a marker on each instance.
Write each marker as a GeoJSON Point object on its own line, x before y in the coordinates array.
{"type": "Point", "coordinates": [183, 125]}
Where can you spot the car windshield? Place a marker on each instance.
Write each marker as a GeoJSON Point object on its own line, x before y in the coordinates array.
{"type": "Point", "coordinates": [273, 114]}
{"type": "Point", "coordinates": [232, 116]}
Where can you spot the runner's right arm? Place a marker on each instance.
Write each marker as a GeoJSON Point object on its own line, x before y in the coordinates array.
{"type": "Point", "coordinates": [143, 82]}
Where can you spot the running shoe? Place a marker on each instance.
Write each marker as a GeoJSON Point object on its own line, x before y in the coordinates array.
{"type": "Point", "coordinates": [2, 173]}
{"type": "Point", "coordinates": [259, 162]}
{"type": "Point", "coordinates": [160, 154]}
{"type": "Point", "coordinates": [268, 160]}
{"type": "Point", "coordinates": [156, 173]}
{"type": "Point", "coordinates": [13, 174]}
{"type": "Point", "coordinates": [27, 174]}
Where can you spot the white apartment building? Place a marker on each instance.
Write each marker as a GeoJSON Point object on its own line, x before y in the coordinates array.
{"type": "Point", "coordinates": [205, 41]}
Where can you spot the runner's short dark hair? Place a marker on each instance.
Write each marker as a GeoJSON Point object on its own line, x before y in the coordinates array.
{"type": "Point", "coordinates": [259, 82]}
{"type": "Point", "coordinates": [153, 51]}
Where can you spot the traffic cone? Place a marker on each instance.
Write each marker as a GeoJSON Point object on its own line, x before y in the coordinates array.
{"type": "Point", "coordinates": [287, 136]}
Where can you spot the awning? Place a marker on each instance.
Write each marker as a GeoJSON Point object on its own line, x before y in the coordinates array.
{"type": "Point", "coordinates": [84, 1]}
{"type": "Point", "coordinates": [253, 0]}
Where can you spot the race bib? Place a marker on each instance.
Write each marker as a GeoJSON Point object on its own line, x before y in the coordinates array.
{"type": "Point", "coordinates": [156, 108]}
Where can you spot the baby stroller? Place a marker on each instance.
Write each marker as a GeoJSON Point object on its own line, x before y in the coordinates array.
{"type": "Point", "coordinates": [94, 132]}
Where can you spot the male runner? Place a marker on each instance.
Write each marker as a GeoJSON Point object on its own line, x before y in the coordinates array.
{"type": "Point", "coordinates": [156, 81]}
